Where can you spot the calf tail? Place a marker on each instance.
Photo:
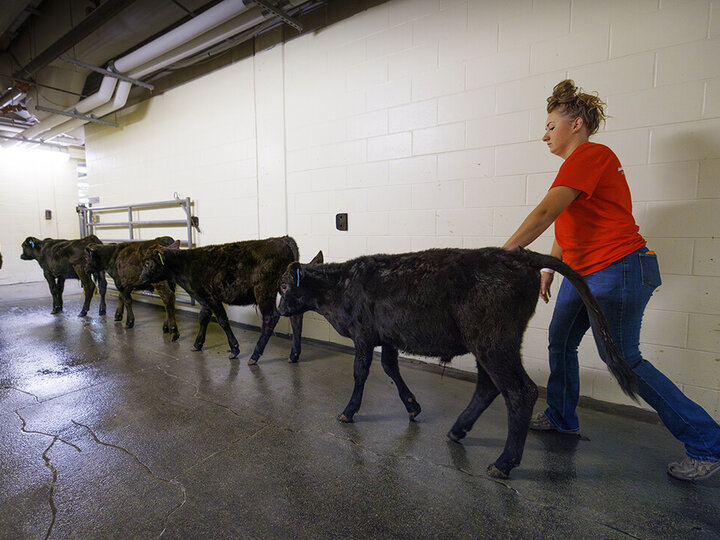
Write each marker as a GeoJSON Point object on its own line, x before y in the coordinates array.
{"type": "Point", "coordinates": [613, 357]}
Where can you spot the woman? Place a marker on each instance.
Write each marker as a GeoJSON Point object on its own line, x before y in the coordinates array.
{"type": "Point", "coordinates": [596, 234]}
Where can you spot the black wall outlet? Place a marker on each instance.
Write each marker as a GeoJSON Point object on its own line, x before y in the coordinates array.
{"type": "Point", "coordinates": [341, 222]}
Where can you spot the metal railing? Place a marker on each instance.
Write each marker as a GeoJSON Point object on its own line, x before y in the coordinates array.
{"type": "Point", "coordinates": [90, 223]}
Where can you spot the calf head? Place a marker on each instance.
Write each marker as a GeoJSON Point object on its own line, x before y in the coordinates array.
{"type": "Point", "coordinates": [30, 248]}
{"type": "Point", "coordinates": [295, 297]}
{"type": "Point", "coordinates": [154, 269]}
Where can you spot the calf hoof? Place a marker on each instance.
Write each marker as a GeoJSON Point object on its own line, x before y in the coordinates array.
{"type": "Point", "coordinates": [118, 318]}
{"type": "Point", "coordinates": [233, 353]}
{"type": "Point", "coordinates": [455, 437]}
{"type": "Point", "coordinates": [166, 329]}
{"type": "Point", "coordinates": [175, 335]}
{"type": "Point", "coordinates": [56, 310]}
{"type": "Point", "coordinates": [83, 313]}
{"type": "Point", "coordinates": [252, 361]}
{"type": "Point", "coordinates": [101, 312]}
{"type": "Point", "coordinates": [344, 419]}
{"type": "Point", "coordinates": [196, 347]}
{"type": "Point", "coordinates": [494, 472]}
{"type": "Point", "coordinates": [292, 360]}
{"type": "Point", "coordinates": [130, 324]}
{"type": "Point", "coordinates": [413, 409]}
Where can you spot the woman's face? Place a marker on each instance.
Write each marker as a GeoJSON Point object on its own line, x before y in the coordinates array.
{"type": "Point", "coordinates": [563, 135]}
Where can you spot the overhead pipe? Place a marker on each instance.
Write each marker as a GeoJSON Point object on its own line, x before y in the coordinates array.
{"type": "Point", "coordinates": [233, 27]}
{"type": "Point", "coordinates": [176, 37]}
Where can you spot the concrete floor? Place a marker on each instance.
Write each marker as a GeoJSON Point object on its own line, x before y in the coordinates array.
{"type": "Point", "coordinates": [107, 432]}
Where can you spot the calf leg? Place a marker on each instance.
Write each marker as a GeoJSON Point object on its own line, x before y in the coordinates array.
{"type": "Point", "coordinates": [204, 319]}
{"type": "Point", "coordinates": [485, 393]}
{"type": "Point", "coordinates": [120, 309]}
{"type": "Point", "coordinates": [57, 299]}
{"type": "Point", "coordinates": [224, 322]}
{"type": "Point", "coordinates": [296, 322]}
{"type": "Point", "coordinates": [389, 359]}
{"type": "Point", "coordinates": [505, 368]}
{"type": "Point", "coordinates": [59, 288]}
{"type": "Point", "coordinates": [167, 295]}
{"type": "Point", "coordinates": [126, 296]}
{"type": "Point", "coordinates": [88, 288]}
{"type": "Point", "coordinates": [102, 288]}
{"type": "Point", "coordinates": [270, 318]}
{"type": "Point", "coordinates": [361, 369]}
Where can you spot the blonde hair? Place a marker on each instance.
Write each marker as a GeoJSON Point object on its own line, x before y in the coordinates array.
{"type": "Point", "coordinates": [571, 101]}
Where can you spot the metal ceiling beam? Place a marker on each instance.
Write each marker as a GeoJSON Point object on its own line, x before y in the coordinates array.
{"type": "Point", "coordinates": [84, 28]}
{"type": "Point", "coordinates": [25, 139]}
{"type": "Point", "coordinates": [87, 26]}
{"type": "Point", "coordinates": [106, 72]}
{"type": "Point", "coordinates": [279, 13]}
{"type": "Point", "coordinates": [75, 114]}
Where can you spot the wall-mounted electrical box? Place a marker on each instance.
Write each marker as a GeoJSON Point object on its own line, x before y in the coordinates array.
{"type": "Point", "coordinates": [48, 214]}
{"type": "Point", "coordinates": [341, 222]}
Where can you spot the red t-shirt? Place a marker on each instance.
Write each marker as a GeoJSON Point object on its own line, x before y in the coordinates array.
{"type": "Point", "coordinates": [598, 227]}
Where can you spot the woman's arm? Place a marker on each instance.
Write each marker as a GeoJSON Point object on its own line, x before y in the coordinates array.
{"type": "Point", "coordinates": [543, 215]}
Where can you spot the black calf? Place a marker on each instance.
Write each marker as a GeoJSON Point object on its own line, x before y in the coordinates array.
{"type": "Point", "coordinates": [443, 303]}
{"type": "Point", "coordinates": [239, 273]}
{"type": "Point", "coordinates": [62, 259]}
{"type": "Point", "coordinates": [124, 263]}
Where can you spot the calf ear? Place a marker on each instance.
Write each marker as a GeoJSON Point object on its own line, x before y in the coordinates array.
{"type": "Point", "coordinates": [318, 259]}
{"type": "Point", "coordinates": [174, 245]}
{"type": "Point", "coordinates": [295, 270]}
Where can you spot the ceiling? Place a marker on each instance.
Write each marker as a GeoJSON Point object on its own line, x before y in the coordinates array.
{"type": "Point", "coordinates": [35, 34]}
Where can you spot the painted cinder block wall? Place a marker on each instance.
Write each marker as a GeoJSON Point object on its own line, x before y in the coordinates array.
{"type": "Point", "coordinates": [422, 120]}
{"type": "Point", "coordinates": [29, 185]}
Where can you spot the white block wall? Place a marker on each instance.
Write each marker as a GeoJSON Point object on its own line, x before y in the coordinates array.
{"type": "Point", "coordinates": [421, 119]}
{"type": "Point", "coordinates": [29, 185]}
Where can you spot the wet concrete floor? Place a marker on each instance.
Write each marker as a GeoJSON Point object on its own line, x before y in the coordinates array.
{"type": "Point", "coordinates": [108, 432]}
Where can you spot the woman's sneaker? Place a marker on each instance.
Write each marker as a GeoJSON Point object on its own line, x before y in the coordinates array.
{"type": "Point", "coordinates": [540, 422]}
{"type": "Point", "coordinates": [693, 469]}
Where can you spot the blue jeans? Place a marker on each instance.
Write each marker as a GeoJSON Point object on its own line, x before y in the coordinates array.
{"type": "Point", "coordinates": [623, 289]}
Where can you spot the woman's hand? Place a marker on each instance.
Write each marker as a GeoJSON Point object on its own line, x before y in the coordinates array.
{"type": "Point", "coordinates": [546, 279]}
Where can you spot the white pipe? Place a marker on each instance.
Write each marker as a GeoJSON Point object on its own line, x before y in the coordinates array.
{"type": "Point", "coordinates": [88, 104]}
{"type": "Point", "coordinates": [121, 95]}
{"type": "Point", "coordinates": [191, 29]}
{"type": "Point", "coordinates": [222, 32]}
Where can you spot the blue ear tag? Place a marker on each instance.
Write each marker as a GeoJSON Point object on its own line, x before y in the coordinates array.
{"type": "Point", "coordinates": [298, 279]}
{"type": "Point", "coordinates": [161, 258]}
{"type": "Point", "coordinates": [32, 243]}
{"type": "Point", "coordinates": [90, 252]}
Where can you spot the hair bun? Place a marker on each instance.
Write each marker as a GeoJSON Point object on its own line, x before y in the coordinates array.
{"type": "Point", "coordinates": [573, 102]}
{"type": "Point", "coordinates": [565, 91]}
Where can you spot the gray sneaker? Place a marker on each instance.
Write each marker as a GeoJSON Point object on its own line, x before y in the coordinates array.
{"type": "Point", "coordinates": [540, 422]}
{"type": "Point", "coordinates": [693, 469]}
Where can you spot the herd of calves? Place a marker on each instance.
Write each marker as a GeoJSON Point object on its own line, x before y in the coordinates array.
{"type": "Point", "coordinates": [437, 303]}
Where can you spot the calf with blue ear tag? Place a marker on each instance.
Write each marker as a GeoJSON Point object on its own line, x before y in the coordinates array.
{"type": "Point", "coordinates": [63, 259]}
{"type": "Point", "coordinates": [236, 273]}
{"type": "Point", "coordinates": [443, 303]}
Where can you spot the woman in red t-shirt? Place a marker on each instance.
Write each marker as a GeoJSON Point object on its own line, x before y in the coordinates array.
{"type": "Point", "coordinates": [596, 234]}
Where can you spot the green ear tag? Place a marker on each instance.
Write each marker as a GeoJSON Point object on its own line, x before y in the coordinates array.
{"type": "Point", "coordinates": [161, 258]}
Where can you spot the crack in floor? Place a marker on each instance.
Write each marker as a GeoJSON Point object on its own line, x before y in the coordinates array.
{"type": "Point", "coordinates": [53, 508]}
{"type": "Point", "coordinates": [21, 391]}
{"type": "Point", "coordinates": [149, 471]}
{"type": "Point", "coordinates": [46, 458]}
